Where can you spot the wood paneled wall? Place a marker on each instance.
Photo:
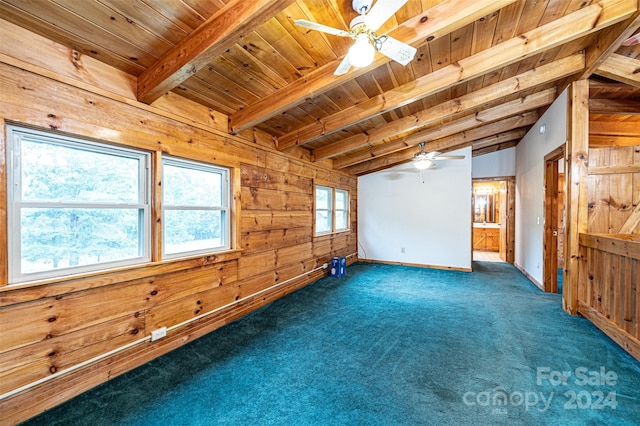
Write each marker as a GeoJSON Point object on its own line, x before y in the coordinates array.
{"type": "Point", "coordinates": [52, 326]}
{"type": "Point", "coordinates": [609, 258]}
{"type": "Point", "coordinates": [614, 189]}
{"type": "Point", "coordinates": [609, 295]}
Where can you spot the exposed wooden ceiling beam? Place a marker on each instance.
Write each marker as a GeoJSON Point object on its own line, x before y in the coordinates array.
{"type": "Point", "coordinates": [463, 124]}
{"type": "Point", "coordinates": [452, 142]}
{"type": "Point", "coordinates": [221, 31]}
{"type": "Point", "coordinates": [442, 19]}
{"type": "Point", "coordinates": [494, 148]}
{"type": "Point", "coordinates": [611, 87]}
{"type": "Point", "coordinates": [500, 138]}
{"type": "Point", "coordinates": [544, 74]}
{"type": "Point", "coordinates": [620, 68]}
{"type": "Point", "coordinates": [584, 21]}
{"type": "Point", "coordinates": [614, 106]}
{"type": "Point", "coordinates": [479, 134]}
{"type": "Point", "coordinates": [607, 42]}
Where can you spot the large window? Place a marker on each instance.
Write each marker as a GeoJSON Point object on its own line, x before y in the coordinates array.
{"type": "Point", "coordinates": [74, 205]}
{"type": "Point", "coordinates": [332, 210]}
{"type": "Point", "coordinates": [195, 205]}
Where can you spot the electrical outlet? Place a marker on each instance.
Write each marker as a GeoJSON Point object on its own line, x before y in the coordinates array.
{"type": "Point", "coordinates": [158, 334]}
{"type": "Point", "coordinates": [402, 250]}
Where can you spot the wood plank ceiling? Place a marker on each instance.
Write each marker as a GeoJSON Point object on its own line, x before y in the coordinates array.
{"type": "Point", "coordinates": [484, 72]}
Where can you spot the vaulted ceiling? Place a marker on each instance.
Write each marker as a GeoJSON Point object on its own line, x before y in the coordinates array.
{"type": "Point", "coordinates": [484, 71]}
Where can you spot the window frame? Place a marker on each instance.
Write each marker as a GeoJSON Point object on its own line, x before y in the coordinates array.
{"type": "Point", "coordinates": [225, 208]}
{"type": "Point", "coordinates": [333, 190]}
{"type": "Point", "coordinates": [337, 210]}
{"type": "Point", "coordinates": [329, 210]}
{"type": "Point", "coordinates": [15, 203]}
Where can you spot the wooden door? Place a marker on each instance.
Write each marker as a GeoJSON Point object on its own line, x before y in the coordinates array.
{"type": "Point", "coordinates": [552, 207]}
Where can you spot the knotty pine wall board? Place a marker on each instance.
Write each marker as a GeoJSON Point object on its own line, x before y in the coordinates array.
{"type": "Point", "coordinates": [613, 191]}
{"type": "Point", "coordinates": [49, 328]}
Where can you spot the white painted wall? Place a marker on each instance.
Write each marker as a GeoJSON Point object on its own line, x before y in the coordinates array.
{"type": "Point", "coordinates": [530, 153]}
{"type": "Point", "coordinates": [431, 220]}
{"type": "Point", "coordinates": [500, 163]}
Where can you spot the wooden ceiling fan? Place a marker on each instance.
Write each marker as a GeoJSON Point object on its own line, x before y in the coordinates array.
{"type": "Point", "coordinates": [362, 31]}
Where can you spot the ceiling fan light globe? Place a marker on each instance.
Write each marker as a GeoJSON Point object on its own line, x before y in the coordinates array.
{"type": "Point", "coordinates": [362, 52]}
{"type": "Point", "coordinates": [423, 164]}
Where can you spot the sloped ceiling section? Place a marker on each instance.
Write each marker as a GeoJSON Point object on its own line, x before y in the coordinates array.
{"type": "Point", "coordinates": [484, 70]}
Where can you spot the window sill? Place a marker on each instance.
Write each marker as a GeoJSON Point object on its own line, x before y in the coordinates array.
{"type": "Point", "coordinates": [330, 235]}
{"type": "Point", "coordinates": [32, 290]}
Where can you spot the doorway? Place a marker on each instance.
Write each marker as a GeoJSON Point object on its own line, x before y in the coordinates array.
{"type": "Point", "coordinates": [493, 219]}
{"type": "Point", "coordinates": [554, 220]}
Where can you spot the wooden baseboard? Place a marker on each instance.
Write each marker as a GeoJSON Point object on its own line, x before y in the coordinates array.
{"type": "Point", "coordinates": [526, 274]}
{"type": "Point", "coordinates": [628, 342]}
{"type": "Point", "coordinates": [417, 265]}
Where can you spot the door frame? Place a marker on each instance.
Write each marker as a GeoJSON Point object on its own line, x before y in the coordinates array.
{"type": "Point", "coordinates": [508, 237]}
{"type": "Point", "coordinates": [550, 241]}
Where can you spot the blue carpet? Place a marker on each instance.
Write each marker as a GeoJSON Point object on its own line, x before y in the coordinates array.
{"type": "Point", "coordinates": [385, 345]}
{"type": "Point", "coordinates": [560, 280]}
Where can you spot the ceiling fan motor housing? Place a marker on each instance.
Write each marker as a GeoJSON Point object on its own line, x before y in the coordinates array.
{"type": "Point", "coordinates": [357, 24]}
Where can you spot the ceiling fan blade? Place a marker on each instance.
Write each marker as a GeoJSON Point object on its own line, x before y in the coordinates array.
{"type": "Point", "coordinates": [344, 66]}
{"type": "Point", "coordinates": [394, 49]}
{"type": "Point", "coordinates": [449, 157]}
{"type": "Point", "coordinates": [319, 27]}
{"type": "Point", "coordinates": [394, 170]}
{"type": "Point", "coordinates": [381, 12]}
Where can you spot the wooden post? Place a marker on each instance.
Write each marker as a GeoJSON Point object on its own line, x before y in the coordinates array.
{"type": "Point", "coordinates": [157, 234]}
{"type": "Point", "coordinates": [4, 226]}
{"type": "Point", "coordinates": [577, 160]}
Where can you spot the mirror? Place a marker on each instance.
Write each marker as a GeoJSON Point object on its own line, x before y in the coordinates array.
{"type": "Point", "coordinates": [486, 201]}
{"type": "Point", "coordinates": [484, 208]}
